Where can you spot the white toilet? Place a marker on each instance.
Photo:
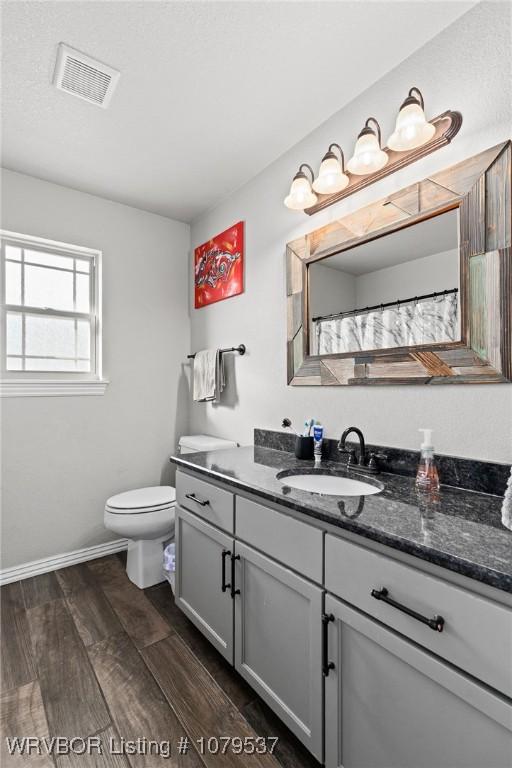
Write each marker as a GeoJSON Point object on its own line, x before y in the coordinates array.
{"type": "Point", "coordinates": [145, 516]}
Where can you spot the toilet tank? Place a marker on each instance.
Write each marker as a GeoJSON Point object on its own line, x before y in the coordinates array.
{"type": "Point", "coordinates": [195, 443]}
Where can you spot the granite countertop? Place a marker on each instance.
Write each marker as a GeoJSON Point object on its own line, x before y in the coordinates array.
{"type": "Point", "coordinates": [459, 530]}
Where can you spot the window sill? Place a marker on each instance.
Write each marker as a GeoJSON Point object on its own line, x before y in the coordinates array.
{"type": "Point", "coordinates": [49, 388]}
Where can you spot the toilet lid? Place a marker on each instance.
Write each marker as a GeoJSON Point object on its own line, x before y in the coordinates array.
{"type": "Point", "coordinates": [157, 496]}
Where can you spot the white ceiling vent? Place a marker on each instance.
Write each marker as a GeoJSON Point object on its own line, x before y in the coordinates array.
{"type": "Point", "coordinates": [84, 77]}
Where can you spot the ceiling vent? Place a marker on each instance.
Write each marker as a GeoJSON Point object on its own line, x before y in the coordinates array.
{"type": "Point", "coordinates": [84, 77]}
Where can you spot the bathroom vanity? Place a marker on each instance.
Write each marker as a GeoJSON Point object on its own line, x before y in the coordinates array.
{"type": "Point", "coordinates": [378, 628]}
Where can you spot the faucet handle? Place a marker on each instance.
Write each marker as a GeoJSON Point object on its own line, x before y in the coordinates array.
{"type": "Point", "coordinates": [373, 459]}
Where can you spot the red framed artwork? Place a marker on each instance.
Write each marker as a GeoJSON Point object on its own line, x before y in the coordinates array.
{"type": "Point", "coordinates": [219, 267]}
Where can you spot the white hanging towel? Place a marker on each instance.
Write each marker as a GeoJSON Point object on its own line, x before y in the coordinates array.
{"type": "Point", "coordinates": [208, 375]}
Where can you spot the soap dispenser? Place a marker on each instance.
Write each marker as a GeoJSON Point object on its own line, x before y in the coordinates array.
{"type": "Point", "coordinates": [427, 478]}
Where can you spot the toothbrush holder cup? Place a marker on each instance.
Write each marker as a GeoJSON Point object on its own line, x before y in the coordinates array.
{"type": "Point", "coordinates": [304, 447]}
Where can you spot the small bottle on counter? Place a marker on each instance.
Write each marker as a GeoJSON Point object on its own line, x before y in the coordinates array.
{"type": "Point", "coordinates": [427, 478]}
{"type": "Point", "coordinates": [318, 436]}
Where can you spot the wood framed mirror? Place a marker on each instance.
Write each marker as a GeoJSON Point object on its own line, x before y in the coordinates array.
{"type": "Point", "coordinates": [413, 289]}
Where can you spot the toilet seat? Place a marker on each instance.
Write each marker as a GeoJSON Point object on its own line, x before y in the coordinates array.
{"type": "Point", "coordinates": [138, 510]}
{"type": "Point", "coordinates": [142, 500]}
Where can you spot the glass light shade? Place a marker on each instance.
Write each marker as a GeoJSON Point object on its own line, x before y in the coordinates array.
{"type": "Point", "coordinates": [368, 156]}
{"type": "Point", "coordinates": [300, 196]}
{"type": "Point", "coordinates": [330, 177]}
{"type": "Point", "coordinates": [411, 130]}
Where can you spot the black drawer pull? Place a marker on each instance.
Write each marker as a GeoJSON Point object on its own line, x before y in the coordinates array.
{"type": "Point", "coordinates": [326, 665]}
{"type": "Point", "coordinates": [437, 623]}
{"type": "Point", "coordinates": [193, 497]}
{"type": "Point", "coordinates": [225, 553]}
{"type": "Point", "coordinates": [234, 591]}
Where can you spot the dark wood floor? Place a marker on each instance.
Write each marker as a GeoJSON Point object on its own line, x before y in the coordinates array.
{"type": "Point", "coordinates": [84, 652]}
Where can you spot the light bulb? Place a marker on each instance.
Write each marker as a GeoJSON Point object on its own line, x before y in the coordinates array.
{"type": "Point", "coordinates": [301, 195]}
{"type": "Point", "coordinates": [331, 177]}
{"type": "Point", "coordinates": [412, 129]}
{"type": "Point", "coordinates": [368, 157]}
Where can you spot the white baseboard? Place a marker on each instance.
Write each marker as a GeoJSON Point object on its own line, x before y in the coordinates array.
{"type": "Point", "coordinates": [47, 564]}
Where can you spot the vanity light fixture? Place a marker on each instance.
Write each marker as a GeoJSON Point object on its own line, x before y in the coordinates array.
{"type": "Point", "coordinates": [368, 154]}
{"type": "Point", "coordinates": [331, 175]}
{"type": "Point", "coordinates": [301, 195]}
{"type": "Point", "coordinates": [413, 138]}
{"type": "Point", "coordinates": [412, 129]}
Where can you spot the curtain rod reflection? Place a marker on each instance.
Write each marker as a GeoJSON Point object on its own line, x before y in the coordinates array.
{"type": "Point", "coordinates": [396, 303]}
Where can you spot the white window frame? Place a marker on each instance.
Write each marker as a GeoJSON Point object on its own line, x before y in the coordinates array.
{"type": "Point", "coordinates": [54, 383]}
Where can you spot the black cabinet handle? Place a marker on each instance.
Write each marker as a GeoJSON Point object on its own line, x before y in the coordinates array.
{"type": "Point", "coordinates": [193, 497]}
{"type": "Point", "coordinates": [225, 553]}
{"type": "Point", "coordinates": [234, 591]}
{"type": "Point", "coordinates": [437, 623]}
{"type": "Point", "coordinates": [326, 665]}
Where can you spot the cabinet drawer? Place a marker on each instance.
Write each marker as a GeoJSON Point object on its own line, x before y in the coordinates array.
{"type": "Point", "coordinates": [206, 500]}
{"type": "Point", "coordinates": [290, 541]}
{"type": "Point", "coordinates": [476, 635]}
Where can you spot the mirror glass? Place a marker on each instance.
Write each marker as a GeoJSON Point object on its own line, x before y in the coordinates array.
{"type": "Point", "coordinates": [399, 290]}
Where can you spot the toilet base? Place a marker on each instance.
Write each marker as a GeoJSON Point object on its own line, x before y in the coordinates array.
{"type": "Point", "coordinates": [145, 561]}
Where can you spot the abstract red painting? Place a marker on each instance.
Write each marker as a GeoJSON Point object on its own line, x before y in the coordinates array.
{"type": "Point", "coordinates": [219, 267]}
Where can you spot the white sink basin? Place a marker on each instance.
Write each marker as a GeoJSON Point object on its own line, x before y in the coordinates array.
{"type": "Point", "coordinates": [330, 485]}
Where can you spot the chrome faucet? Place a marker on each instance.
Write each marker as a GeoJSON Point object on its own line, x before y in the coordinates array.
{"type": "Point", "coordinates": [362, 463]}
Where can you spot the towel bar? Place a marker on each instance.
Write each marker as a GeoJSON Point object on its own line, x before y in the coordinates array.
{"type": "Point", "coordinates": [241, 349]}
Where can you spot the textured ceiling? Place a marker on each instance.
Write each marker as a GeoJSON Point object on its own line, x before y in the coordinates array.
{"type": "Point", "coordinates": [210, 92]}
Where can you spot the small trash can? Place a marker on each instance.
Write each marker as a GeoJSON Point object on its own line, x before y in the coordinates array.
{"type": "Point", "coordinates": [170, 563]}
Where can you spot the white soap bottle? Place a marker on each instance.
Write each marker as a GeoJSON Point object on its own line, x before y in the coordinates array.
{"type": "Point", "coordinates": [427, 478]}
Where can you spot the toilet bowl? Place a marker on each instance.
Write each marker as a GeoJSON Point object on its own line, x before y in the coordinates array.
{"type": "Point", "coordinates": [145, 516]}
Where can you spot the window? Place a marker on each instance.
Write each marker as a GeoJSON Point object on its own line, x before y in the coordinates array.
{"type": "Point", "coordinates": [50, 316]}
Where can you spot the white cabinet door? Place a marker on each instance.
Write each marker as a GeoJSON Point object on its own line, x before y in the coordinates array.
{"type": "Point", "coordinates": [203, 568]}
{"type": "Point", "coordinates": [278, 630]}
{"type": "Point", "coordinates": [390, 704]}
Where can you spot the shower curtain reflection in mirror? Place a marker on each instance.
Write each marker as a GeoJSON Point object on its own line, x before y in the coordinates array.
{"type": "Point", "coordinates": [423, 321]}
{"type": "Point", "coordinates": [399, 290]}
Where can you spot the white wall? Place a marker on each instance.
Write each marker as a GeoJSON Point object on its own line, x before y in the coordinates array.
{"type": "Point", "coordinates": [466, 67]}
{"type": "Point", "coordinates": [63, 456]}
{"type": "Point", "coordinates": [437, 272]}
{"type": "Point", "coordinates": [330, 290]}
